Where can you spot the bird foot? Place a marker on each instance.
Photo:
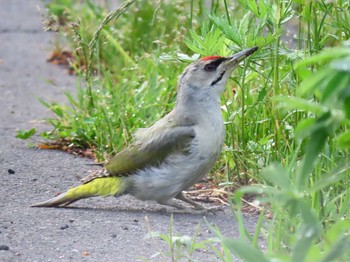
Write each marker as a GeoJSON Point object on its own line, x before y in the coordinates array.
{"type": "Point", "coordinates": [192, 211]}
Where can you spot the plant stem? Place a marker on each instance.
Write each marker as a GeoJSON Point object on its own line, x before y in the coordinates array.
{"type": "Point", "coordinates": [276, 78]}
{"type": "Point", "coordinates": [227, 13]}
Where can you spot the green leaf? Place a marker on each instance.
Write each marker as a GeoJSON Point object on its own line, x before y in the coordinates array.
{"type": "Point", "coordinates": [313, 148]}
{"type": "Point", "coordinates": [308, 231]}
{"type": "Point", "coordinates": [224, 253]}
{"type": "Point", "coordinates": [315, 80]}
{"type": "Point", "coordinates": [343, 140]}
{"type": "Point", "coordinates": [263, 8]}
{"type": "Point", "coordinates": [230, 31]}
{"type": "Point", "coordinates": [256, 189]}
{"type": "Point", "coordinates": [262, 41]}
{"type": "Point", "coordinates": [288, 102]}
{"type": "Point", "coordinates": [209, 44]}
{"type": "Point", "coordinates": [243, 25]}
{"type": "Point", "coordinates": [118, 47]}
{"type": "Point", "coordinates": [331, 95]}
{"type": "Point", "coordinates": [152, 234]}
{"type": "Point", "coordinates": [347, 106]}
{"type": "Point", "coordinates": [277, 176]}
{"type": "Point", "coordinates": [252, 5]}
{"type": "Point", "coordinates": [304, 128]}
{"type": "Point", "coordinates": [302, 247]}
{"type": "Point", "coordinates": [245, 251]}
{"type": "Point", "coordinates": [237, 211]}
{"type": "Point", "coordinates": [55, 108]}
{"type": "Point", "coordinates": [262, 94]}
{"type": "Point", "coordinates": [303, 72]}
{"type": "Point", "coordinates": [338, 249]}
{"type": "Point", "coordinates": [23, 134]}
{"type": "Point", "coordinates": [325, 56]}
{"type": "Point", "coordinates": [331, 178]}
{"type": "Point", "coordinates": [339, 228]}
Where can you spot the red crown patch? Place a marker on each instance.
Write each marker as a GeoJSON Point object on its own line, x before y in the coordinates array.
{"type": "Point", "coordinates": [210, 57]}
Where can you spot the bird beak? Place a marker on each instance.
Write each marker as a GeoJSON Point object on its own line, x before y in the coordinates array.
{"type": "Point", "coordinates": [236, 58]}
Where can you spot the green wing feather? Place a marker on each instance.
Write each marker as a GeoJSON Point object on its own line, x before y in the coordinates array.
{"type": "Point", "coordinates": [140, 155]}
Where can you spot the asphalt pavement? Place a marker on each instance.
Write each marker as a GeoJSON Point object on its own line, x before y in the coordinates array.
{"type": "Point", "coordinates": [98, 229]}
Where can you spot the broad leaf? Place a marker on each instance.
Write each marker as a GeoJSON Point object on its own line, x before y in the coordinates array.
{"type": "Point", "coordinates": [25, 134]}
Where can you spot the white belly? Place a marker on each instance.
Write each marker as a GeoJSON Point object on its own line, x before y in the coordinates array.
{"type": "Point", "coordinates": [181, 171]}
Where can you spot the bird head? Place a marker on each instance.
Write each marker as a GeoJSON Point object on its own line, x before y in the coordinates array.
{"type": "Point", "coordinates": [212, 72]}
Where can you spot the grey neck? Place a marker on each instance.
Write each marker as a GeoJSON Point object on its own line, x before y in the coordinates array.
{"type": "Point", "coordinates": [193, 104]}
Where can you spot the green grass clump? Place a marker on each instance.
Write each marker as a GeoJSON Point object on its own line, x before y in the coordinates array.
{"type": "Point", "coordinates": [287, 108]}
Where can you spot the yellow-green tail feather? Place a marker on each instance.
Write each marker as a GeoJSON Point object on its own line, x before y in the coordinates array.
{"type": "Point", "coordinates": [104, 186]}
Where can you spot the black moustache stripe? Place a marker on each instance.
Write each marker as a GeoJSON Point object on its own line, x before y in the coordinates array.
{"type": "Point", "coordinates": [218, 61]}
{"type": "Point", "coordinates": [218, 79]}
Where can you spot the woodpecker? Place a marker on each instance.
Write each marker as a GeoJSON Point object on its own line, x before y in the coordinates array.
{"type": "Point", "coordinates": [175, 152]}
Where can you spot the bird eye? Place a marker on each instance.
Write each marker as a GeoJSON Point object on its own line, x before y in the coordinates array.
{"type": "Point", "coordinates": [209, 67]}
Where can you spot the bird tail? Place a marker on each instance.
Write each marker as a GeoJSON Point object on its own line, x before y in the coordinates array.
{"type": "Point", "coordinates": [104, 186]}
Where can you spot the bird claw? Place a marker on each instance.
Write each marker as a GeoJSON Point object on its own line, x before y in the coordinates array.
{"type": "Point", "coordinates": [193, 211]}
{"type": "Point", "coordinates": [215, 209]}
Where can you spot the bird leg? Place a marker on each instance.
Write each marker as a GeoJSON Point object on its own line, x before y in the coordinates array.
{"type": "Point", "coordinates": [182, 197]}
{"type": "Point", "coordinates": [181, 209]}
{"type": "Point", "coordinates": [197, 206]}
{"type": "Point", "coordinates": [172, 203]}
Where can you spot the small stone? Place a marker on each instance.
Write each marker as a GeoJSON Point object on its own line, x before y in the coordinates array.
{"type": "Point", "coordinates": [136, 220]}
{"type": "Point", "coordinates": [64, 227]}
{"type": "Point", "coordinates": [71, 220]}
{"type": "Point", "coordinates": [4, 247]}
{"type": "Point", "coordinates": [125, 228]}
{"type": "Point", "coordinates": [114, 235]}
{"type": "Point", "coordinates": [11, 171]}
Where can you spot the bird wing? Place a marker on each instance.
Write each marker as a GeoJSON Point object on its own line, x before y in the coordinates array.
{"type": "Point", "coordinates": [153, 152]}
{"type": "Point", "coordinates": [140, 155]}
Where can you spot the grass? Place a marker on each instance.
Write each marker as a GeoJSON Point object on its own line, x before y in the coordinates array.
{"type": "Point", "coordinates": [286, 108]}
